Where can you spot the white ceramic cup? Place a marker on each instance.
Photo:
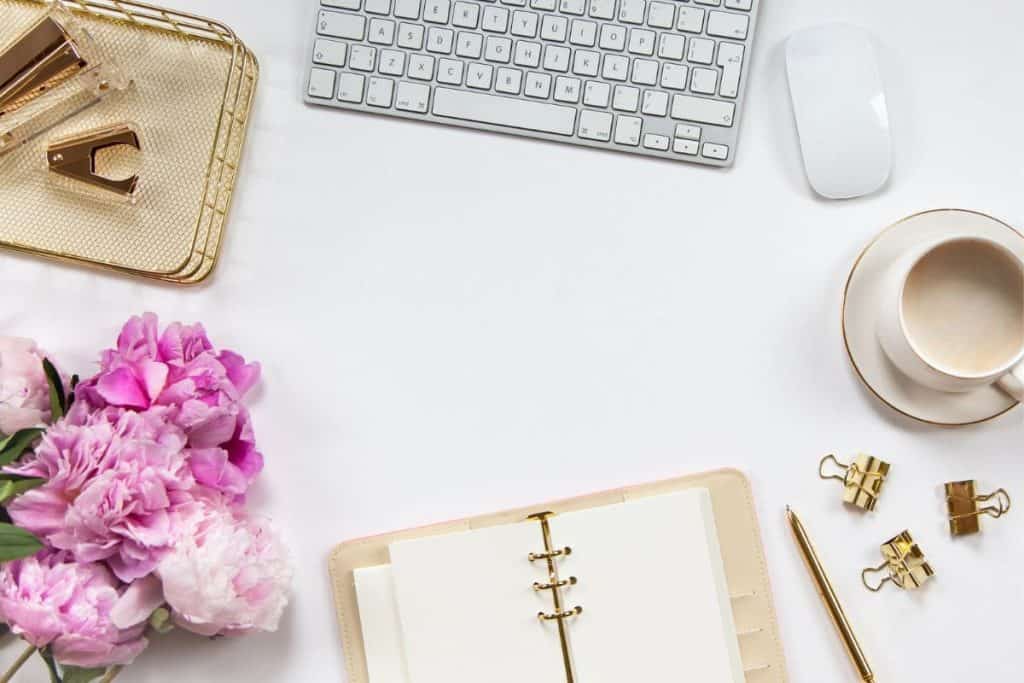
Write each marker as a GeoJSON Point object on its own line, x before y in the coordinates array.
{"type": "Point", "coordinates": [952, 315]}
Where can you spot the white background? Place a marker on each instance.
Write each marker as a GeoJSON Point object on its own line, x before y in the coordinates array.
{"type": "Point", "coordinates": [452, 322]}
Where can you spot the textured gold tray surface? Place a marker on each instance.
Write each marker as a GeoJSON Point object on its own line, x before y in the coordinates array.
{"type": "Point", "coordinates": [193, 86]}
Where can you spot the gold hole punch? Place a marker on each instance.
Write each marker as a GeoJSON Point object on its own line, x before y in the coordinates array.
{"type": "Point", "coordinates": [74, 157]}
{"type": "Point", "coordinates": [905, 565]}
{"type": "Point", "coordinates": [964, 510]}
{"type": "Point", "coordinates": [862, 480]}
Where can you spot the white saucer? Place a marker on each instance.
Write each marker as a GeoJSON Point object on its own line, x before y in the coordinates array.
{"type": "Point", "coordinates": [861, 307]}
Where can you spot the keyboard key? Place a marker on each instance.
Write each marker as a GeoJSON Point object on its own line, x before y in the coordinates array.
{"type": "Point", "coordinates": [421, 67]}
{"type": "Point", "coordinates": [655, 103]}
{"type": "Point", "coordinates": [728, 25]}
{"type": "Point", "coordinates": [583, 33]}
{"type": "Point", "coordinates": [412, 97]}
{"type": "Point", "coordinates": [641, 41]}
{"type": "Point", "coordinates": [498, 49]}
{"type": "Point", "coordinates": [556, 58]}
{"type": "Point", "coordinates": [329, 52]}
{"type": "Point", "coordinates": [341, 4]}
{"type": "Point", "coordinates": [382, 31]}
{"type": "Point", "coordinates": [688, 147]}
{"type": "Point", "coordinates": [362, 58]}
{"type": "Point", "coordinates": [339, 25]}
{"type": "Point", "coordinates": [602, 9]}
{"type": "Point", "coordinates": [467, 15]}
{"type": "Point", "coordinates": [671, 46]}
{"type": "Point", "coordinates": [480, 76]}
{"type": "Point", "coordinates": [632, 11]}
{"type": "Point", "coordinates": [586, 63]}
{"type": "Point", "coordinates": [509, 81]}
{"type": "Point", "coordinates": [450, 71]}
{"type": "Point", "coordinates": [691, 19]}
{"type": "Point", "coordinates": [437, 11]}
{"type": "Point", "coordinates": [745, 5]}
{"type": "Point", "coordinates": [596, 125]}
{"type": "Point", "coordinates": [673, 76]}
{"type": "Point", "coordinates": [627, 130]}
{"type": "Point", "coordinates": [517, 3]}
{"type": "Point", "coordinates": [538, 85]}
{"type": "Point", "coordinates": [712, 151]}
{"type": "Point", "coordinates": [730, 58]}
{"type": "Point", "coordinates": [378, 7]}
{"type": "Point", "coordinates": [469, 45]}
{"type": "Point", "coordinates": [616, 68]}
{"type": "Point", "coordinates": [527, 54]}
{"type": "Point", "coordinates": [350, 88]}
{"type": "Point", "coordinates": [645, 72]}
{"type": "Point", "coordinates": [702, 51]}
{"type": "Point", "coordinates": [567, 89]}
{"type": "Point", "coordinates": [407, 9]}
{"type": "Point", "coordinates": [658, 142]}
{"type": "Point", "coordinates": [713, 3]}
{"type": "Point", "coordinates": [524, 24]}
{"type": "Point", "coordinates": [704, 81]}
{"type": "Point", "coordinates": [661, 15]}
{"type": "Point", "coordinates": [613, 37]}
{"type": "Point", "coordinates": [702, 110]}
{"type": "Point", "coordinates": [626, 98]}
{"type": "Point", "coordinates": [321, 83]}
{"type": "Point", "coordinates": [596, 94]}
{"type": "Point", "coordinates": [379, 92]}
{"type": "Point", "coordinates": [553, 28]}
{"type": "Point", "coordinates": [410, 36]}
{"type": "Point", "coordinates": [577, 7]}
{"type": "Point", "coordinates": [392, 62]}
{"type": "Point", "coordinates": [684, 130]}
{"type": "Point", "coordinates": [504, 111]}
{"type": "Point", "coordinates": [544, 4]}
{"type": "Point", "coordinates": [495, 19]}
{"type": "Point", "coordinates": [440, 40]}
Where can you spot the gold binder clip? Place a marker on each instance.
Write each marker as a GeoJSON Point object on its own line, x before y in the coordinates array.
{"type": "Point", "coordinates": [37, 61]}
{"type": "Point", "coordinates": [905, 564]}
{"type": "Point", "coordinates": [964, 509]}
{"type": "Point", "coordinates": [862, 480]}
{"type": "Point", "coordinates": [75, 157]}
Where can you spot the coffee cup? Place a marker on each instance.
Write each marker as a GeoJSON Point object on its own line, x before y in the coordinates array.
{"type": "Point", "coordinates": [952, 315]}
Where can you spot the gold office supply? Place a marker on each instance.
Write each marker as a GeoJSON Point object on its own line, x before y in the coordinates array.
{"type": "Point", "coordinates": [862, 480]}
{"type": "Point", "coordinates": [38, 61]}
{"type": "Point", "coordinates": [905, 565]}
{"type": "Point", "coordinates": [829, 597]}
{"type": "Point", "coordinates": [555, 584]}
{"type": "Point", "coordinates": [738, 534]}
{"type": "Point", "coordinates": [964, 511]}
{"type": "Point", "coordinates": [75, 157]}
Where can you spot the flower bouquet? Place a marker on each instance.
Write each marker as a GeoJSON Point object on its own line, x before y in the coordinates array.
{"type": "Point", "coordinates": [123, 502]}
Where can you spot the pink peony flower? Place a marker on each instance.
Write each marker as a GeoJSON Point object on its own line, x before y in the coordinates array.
{"type": "Point", "coordinates": [115, 481]}
{"type": "Point", "coordinates": [24, 392]}
{"type": "Point", "coordinates": [51, 601]}
{"type": "Point", "coordinates": [228, 574]}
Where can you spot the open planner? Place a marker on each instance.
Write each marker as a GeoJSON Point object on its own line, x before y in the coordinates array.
{"type": "Point", "coordinates": [663, 582]}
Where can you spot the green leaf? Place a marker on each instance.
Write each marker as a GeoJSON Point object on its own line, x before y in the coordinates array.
{"type": "Point", "coordinates": [11, 489]}
{"type": "Point", "coordinates": [16, 543]}
{"type": "Point", "coordinates": [50, 665]}
{"type": "Point", "coordinates": [160, 620]}
{"type": "Point", "coordinates": [58, 401]}
{"type": "Point", "coordinates": [74, 674]}
{"type": "Point", "coordinates": [13, 446]}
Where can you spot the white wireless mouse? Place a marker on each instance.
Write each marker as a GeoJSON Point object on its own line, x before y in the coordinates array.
{"type": "Point", "coordinates": [840, 109]}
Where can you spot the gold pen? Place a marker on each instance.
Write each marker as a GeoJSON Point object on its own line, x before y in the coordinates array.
{"type": "Point", "coordinates": [828, 596]}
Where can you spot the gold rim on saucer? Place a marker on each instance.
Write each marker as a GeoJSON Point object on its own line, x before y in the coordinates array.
{"type": "Point", "coordinates": [846, 341]}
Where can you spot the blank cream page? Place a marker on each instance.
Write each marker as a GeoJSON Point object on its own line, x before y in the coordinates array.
{"type": "Point", "coordinates": [652, 587]}
{"type": "Point", "coordinates": [468, 610]}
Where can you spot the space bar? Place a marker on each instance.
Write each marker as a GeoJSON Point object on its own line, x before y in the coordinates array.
{"type": "Point", "coordinates": [504, 111]}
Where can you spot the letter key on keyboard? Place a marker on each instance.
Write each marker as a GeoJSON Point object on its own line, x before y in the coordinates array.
{"type": "Point", "coordinates": [662, 78]}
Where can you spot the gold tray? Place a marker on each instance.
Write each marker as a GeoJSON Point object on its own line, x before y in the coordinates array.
{"type": "Point", "coordinates": [194, 86]}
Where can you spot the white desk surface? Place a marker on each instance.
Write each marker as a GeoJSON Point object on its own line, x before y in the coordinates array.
{"type": "Point", "coordinates": [452, 322]}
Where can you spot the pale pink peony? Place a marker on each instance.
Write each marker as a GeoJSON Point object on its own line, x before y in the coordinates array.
{"type": "Point", "coordinates": [115, 482]}
{"type": "Point", "coordinates": [53, 602]}
{"type": "Point", "coordinates": [228, 574]}
{"type": "Point", "coordinates": [24, 391]}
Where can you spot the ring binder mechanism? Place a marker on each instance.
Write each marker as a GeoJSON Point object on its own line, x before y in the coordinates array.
{"type": "Point", "coordinates": [905, 563]}
{"type": "Point", "coordinates": [51, 72]}
{"type": "Point", "coordinates": [964, 509]}
{"type": "Point", "coordinates": [862, 480]}
{"type": "Point", "coordinates": [555, 585]}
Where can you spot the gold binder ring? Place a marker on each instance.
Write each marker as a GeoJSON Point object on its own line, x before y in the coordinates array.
{"type": "Point", "coordinates": [551, 554]}
{"type": "Point", "coordinates": [571, 581]}
{"type": "Point", "coordinates": [559, 616]}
